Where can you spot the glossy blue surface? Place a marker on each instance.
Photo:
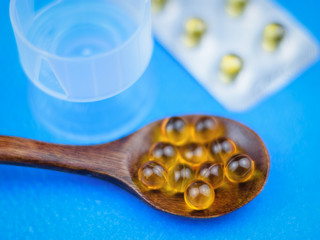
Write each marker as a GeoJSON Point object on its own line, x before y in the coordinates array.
{"type": "Point", "coordinates": [40, 204]}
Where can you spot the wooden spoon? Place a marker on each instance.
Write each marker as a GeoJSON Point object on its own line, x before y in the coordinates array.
{"type": "Point", "coordinates": [119, 162]}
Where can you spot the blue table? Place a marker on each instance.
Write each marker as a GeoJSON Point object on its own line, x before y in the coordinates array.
{"type": "Point", "coordinates": [41, 204]}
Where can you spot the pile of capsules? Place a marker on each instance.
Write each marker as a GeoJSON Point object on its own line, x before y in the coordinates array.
{"type": "Point", "coordinates": [194, 159]}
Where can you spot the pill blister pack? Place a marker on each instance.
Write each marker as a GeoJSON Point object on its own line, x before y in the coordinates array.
{"type": "Point", "coordinates": [240, 51]}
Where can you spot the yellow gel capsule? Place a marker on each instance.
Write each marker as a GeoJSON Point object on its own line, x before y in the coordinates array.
{"type": "Point", "coordinates": [236, 7]}
{"type": "Point", "coordinates": [194, 153]}
{"type": "Point", "coordinates": [176, 130]}
{"type": "Point", "coordinates": [152, 175]}
{"type": "Point", "coordinates": [239, 168]}
{"type": "Point", "coordinates": [163, 152]}
{"type": "Point", "coordinates": [195, 28]}
{"type": "Point", "coordinates": [158, 5]}
{"type": "Point", "coordinates": [222, 149]}
{"type": "Point", "coordinates": [213, 173]}
{"type": "Point", "coordinates": [230, 67]}
{"type": "Point", "coordinates": [206, 129]}
{"type": "Point", "coordinates": [199, 195]}
{"type": "Point", "coordinates": [180, 176]}
{"type": "Point", "coordinates": [273, 34]}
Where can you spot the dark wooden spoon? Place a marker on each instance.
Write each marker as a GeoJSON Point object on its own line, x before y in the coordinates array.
{"type": "Point", "coordinates": [119, 162]}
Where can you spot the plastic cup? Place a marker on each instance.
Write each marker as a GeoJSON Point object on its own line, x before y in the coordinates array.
{"type": "Point", "coordinates": [95, 122]}
{"type": "Point", "coordinates": [83, 50]}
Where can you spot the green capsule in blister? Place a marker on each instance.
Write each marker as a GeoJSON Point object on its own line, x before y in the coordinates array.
{"type": "Point", "coordinates": [236, 7]}
{"type": "Point", "coordinates": [230, 67]}
{"type": "Point", "coordinates": [195, 28]}
{"type": "Point", "coordinates": [273, 35]}
{"type": "Point", "coordinates": [158, 5]}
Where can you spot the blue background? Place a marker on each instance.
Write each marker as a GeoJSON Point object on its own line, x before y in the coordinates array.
{"type": "Point", "coordinates": [41, 204]}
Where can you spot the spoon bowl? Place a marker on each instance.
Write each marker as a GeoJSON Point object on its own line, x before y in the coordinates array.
{"type": "Point", "coordinates": [119, 162]}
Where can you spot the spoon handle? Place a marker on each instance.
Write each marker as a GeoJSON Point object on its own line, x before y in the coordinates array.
{"type": "Point", "coordinates": [107, 160]}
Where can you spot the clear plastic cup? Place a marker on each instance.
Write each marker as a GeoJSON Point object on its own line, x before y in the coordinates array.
{"type": "Point", "coordinates": [83, 50]}
{"type": "Point", "coordinates": [95, 122]}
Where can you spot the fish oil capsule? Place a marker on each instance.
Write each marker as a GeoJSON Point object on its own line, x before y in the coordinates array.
{"type": "Point", "coordinates": [239, 168]}
{"type": "Point", "coordinates": [205, 129]}
{"type": "Point", "coordinates": [230, 67]}
{"type": "Point", "coordinates": [152, 175]}
{"type": "Point", "coordinates": [273, 34]}
{"type": "Point", "coordinates": [195, 28]}
{"type": "Point", "coordinates": [194, 153]}
{"type": "Point", "coordinates": [165, 153]}
{"type": "Point", "coordinates": [199, 195]}
{"type": "Point", "coordinates": [213, 173]}
{"type": "Point", "coordinates": [158, 5]}
{"type": "Point", "coordinates": [176, 130]}
{"type": "Point", "coordinates": [236, 7]}
{"type": "Point", "coordinates": [180, 176]}
{"type": "Point", "coordinates": [222, 149]}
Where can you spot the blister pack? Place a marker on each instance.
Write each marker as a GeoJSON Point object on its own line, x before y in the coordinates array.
{"type": "Point", "coordinates": [241, 51]}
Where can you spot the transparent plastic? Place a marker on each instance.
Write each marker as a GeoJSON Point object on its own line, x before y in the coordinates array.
{"type": "Point", "coordinates": [81, 50]}
{"type": "Point", "coordinates": [223, 45]}
{"type": "Point", "coordinates": [95, 122]}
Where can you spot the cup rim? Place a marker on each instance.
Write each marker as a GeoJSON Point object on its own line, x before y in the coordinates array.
{"type": "Point", "coordinates": [146, 15]}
